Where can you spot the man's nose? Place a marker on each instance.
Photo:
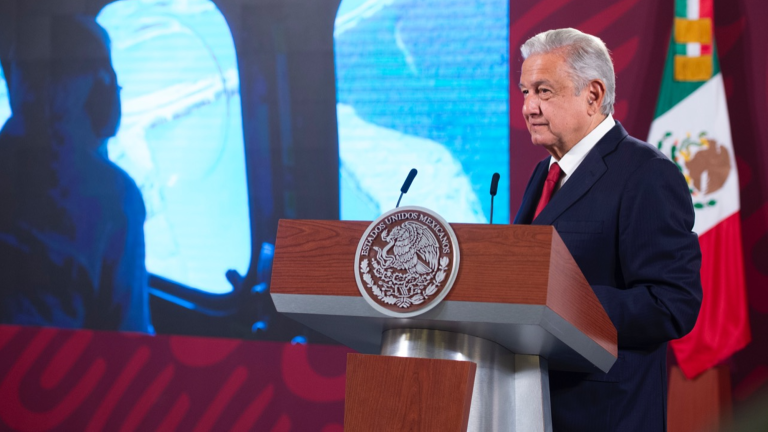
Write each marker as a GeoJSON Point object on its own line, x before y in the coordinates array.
{"type": "Point", "coordinates": [530, 105]}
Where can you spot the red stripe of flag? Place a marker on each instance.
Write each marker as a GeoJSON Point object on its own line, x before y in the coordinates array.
{"type": "Point", "coordinates": [723, 324]}
{"type": "Point", "coordinates": [706, 11]}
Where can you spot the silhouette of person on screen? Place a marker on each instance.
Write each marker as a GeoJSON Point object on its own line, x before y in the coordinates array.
{"type": "Point", "coordinates": [71, 222]}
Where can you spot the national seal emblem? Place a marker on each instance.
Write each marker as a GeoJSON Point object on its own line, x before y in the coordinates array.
{"type": "Point", "coordinates": [406, 261]}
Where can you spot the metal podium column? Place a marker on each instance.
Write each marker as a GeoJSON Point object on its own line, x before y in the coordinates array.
{"type": "Point", "coordinates": [511, 391]}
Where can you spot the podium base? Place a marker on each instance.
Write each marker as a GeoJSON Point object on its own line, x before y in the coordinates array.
{"type": "Point", "coordinates": [511, 391]}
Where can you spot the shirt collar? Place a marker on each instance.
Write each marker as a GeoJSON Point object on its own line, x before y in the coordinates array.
{"type": "Point", "coordinates": [571, 160]}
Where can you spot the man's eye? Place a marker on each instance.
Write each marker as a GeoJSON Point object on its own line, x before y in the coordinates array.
{"type": "Point", "coordinates": [544, 90]}
{"type": "Point", "coordinates": [525, 92]}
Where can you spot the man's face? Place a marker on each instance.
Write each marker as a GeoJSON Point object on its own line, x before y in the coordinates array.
{"type": "Point", "coordinates": [556, 117]}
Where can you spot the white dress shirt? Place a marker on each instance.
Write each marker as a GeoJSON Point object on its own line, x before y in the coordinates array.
{"type": "Point", "coordinates": [571, 160]}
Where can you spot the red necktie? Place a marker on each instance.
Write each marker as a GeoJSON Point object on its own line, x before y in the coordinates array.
{"type": "Point", "coordinates": [549, 187]}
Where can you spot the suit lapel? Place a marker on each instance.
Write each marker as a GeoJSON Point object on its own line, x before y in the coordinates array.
{"type": "Point", "coordinates": [586, 175]}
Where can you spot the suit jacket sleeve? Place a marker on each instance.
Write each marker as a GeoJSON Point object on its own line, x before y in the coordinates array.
{"type": "Point", "coordinates": [660, 259]}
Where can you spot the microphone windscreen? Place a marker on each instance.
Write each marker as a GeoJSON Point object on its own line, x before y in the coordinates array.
{"type": "Point", "coordinates": [408, 180]}
{"type": "Point", "coordinates": [495, 183]}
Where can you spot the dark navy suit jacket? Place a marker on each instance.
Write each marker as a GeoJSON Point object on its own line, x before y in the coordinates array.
{"type": "Point", "coordinates": [626, 216]}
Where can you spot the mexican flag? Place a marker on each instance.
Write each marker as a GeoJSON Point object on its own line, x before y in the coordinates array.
{"type": "Point", "coordinates": [691, 127]}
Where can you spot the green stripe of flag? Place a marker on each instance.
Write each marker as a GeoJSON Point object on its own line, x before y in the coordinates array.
{"type": "Point", "coordinates": [681, 8]}
{"type": "Point", "coordinates": [673, 92]}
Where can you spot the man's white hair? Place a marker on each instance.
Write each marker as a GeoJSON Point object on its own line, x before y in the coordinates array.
{"type": "Point", "coordinates": [586, 55]}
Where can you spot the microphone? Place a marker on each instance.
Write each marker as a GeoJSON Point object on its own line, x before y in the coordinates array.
{"type": "Point", "coordinates": [406, 185]}
{"type": "Point", "coordinates": [494, 188]}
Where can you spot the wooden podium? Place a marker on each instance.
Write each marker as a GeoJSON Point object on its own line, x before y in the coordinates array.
{"type": "Point", "coordinates": [519, 307]}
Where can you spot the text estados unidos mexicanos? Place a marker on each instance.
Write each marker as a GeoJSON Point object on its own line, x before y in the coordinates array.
{"type": "Point", "coordinates": [441, 234]}
{"type": "Point", "coordinates": [371, 237]}
{"type": "Point", "coordinates": [444, 242]}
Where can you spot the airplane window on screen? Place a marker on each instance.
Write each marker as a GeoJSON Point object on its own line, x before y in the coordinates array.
{"type": "Point", "coordinates": [423, 84]}
{"type": "Point", "coordinates": [5, 107]}
{"type": "Point", "coordinates": [181, 137]}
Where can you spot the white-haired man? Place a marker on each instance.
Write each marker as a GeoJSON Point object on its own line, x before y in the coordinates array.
{"type": "Point", "coordinates": [625, 213]}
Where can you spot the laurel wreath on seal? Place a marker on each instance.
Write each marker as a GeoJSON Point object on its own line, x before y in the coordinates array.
{"type": "Point", "coordinates": [411, 292]}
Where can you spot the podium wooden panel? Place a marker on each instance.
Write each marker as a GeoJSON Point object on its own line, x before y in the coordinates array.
{"type": "Point", "coordinates": [386, 394]}
{"type": "Point", "coordinates": [519, 307]}
{"type": "Point", "coordinates": [517, 285]}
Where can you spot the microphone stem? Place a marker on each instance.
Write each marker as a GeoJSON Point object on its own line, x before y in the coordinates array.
{"type": "Point", "coordinates": [398, 200]}
{"type": "Point", "coordinates": [491, 210]}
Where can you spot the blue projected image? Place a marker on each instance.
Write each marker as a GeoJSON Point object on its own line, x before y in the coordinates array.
{"type": "Point", "coordinates": [420, 83]}
{"type": "Point", "coordinates": [5, 107]}
{"type": "Point", "coordinates": [424, 84]}
{"type": "Point", "coordinates": [181, 137]}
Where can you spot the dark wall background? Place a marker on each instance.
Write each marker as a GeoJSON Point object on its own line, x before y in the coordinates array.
{"type": "Point", "coordinates": [741, 36]}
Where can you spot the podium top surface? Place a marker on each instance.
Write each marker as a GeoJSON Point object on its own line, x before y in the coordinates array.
{"type": "Point", "coordinates": [516, 284]}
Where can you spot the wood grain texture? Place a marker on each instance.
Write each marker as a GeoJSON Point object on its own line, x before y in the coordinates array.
{"type": "Point", "coordinates": [701, 404]}
{"type": "Point", "coordinates": [386, 393]}
{"type": "Point", "coordinates": [499, 263]}
{"type": "Point", "coordinates": [513, 264]}
{"type": "Point", "coordinates": [316, 257]}
{"type": "Point", "coordinates": [571, 297]}
{"type": "Point", "coordinates": [502, 264]}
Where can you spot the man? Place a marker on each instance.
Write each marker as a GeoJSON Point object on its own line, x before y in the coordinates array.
{"type": "Point", "coordinates": [624, 212]}
{"type": "Point", "coordinates": [71, 222]}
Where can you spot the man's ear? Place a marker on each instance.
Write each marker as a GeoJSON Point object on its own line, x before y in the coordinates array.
{"type": "Point", "coordinates": [595, 96]}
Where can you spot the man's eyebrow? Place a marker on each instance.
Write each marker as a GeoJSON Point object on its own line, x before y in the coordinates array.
{"type": "Point", "coordinates": [536, 83]}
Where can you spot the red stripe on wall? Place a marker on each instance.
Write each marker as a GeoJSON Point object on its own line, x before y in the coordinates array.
{"type": "Point", "coordinates": [126, 377]}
